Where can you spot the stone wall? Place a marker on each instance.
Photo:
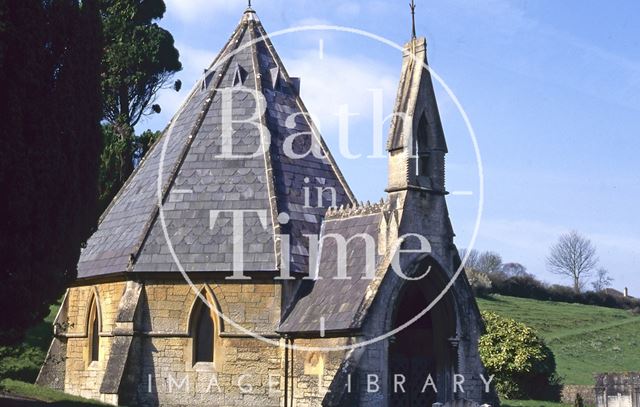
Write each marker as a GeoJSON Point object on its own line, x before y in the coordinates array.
{"type": "Point", "coordinates": [588, 393]}
{"type": "Point", "coordinates": [243, 379]}
{"type": "Point", "coordinates": [160, 368]}
{"type": "Point", "coordinates": [242, 364]}
{"type": "Point", "coordinates": [618, 390]}
{"type": "Point", "coordinates": [254, 306]}
{"type": "Point", "coordinates": [246, 371]}
{"type": "Point", "coordinates": [314, 371]}
{"type": "Point", "coordinates": [84, 377]}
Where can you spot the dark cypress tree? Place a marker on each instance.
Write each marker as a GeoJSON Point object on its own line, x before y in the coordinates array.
{"type": "Point", "coordinates": [139, 60]}
{"type": "Point", "coordinates": [50, 109]}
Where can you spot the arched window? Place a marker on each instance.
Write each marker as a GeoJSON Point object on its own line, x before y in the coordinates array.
{"type": "Point", "coordinates": [203, 333]}
{"type": "Point", "coordinates": [94, 332]}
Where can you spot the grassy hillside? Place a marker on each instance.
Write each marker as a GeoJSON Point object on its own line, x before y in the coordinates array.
{"type": "Point", "coordinates": [585, 339]}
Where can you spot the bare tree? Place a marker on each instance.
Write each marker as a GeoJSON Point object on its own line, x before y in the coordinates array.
{"type": "Point", "coordinates": [573, 256]}
{"type": "Point", "coordinates": [482, 262]}
{"type": "Point", "coordinates": [514, 270]}
{"type": "Point", "coordinates": [489, 262]}
{"type": "Point", "coordinates": [603, 280]}
{"type": "Point", "coordinates": [472, 260]}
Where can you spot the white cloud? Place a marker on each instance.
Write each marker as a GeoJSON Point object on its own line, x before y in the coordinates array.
{"type": "Point", "coordinates": [332, 81]}
{"type": "Point", "coordinates": [326, 84]}
{"type": "Point", "coordinates": [195, 60]}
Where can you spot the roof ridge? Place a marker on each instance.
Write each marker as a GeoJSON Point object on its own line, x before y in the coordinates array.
{"type": "Point", "coordinates": [266, 149]}
{"type": "Point", "coordinates": [358, 209]}
{"type": "Point", "coordinates": [266, 40]}
{"type": "Point", "coordinates": [173, 172]}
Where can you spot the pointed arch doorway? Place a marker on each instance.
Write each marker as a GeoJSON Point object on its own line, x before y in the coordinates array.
{"type": "Point", "coordinates": [421, 356]}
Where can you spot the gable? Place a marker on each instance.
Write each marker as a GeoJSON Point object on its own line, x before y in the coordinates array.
{"type": "Point", "coordinates": [333, 304]}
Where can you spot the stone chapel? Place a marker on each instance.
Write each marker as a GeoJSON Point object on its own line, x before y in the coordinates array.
{"type": "Point", "coordinates": [133, 331]}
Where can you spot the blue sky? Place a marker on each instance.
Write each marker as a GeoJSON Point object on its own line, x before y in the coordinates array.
{"type": "Point", "coordinates": [552, 89]}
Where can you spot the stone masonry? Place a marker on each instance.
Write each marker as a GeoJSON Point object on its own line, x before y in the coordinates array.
{"type": "Point", "coordinates": [282, 330]}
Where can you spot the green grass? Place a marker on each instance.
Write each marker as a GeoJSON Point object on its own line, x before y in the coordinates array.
{"type": "Point", "coordinates": [56, 398]}
{"type": "Point", "coordinates": [585, 339]}
{"type": "Point", "coordinates": [531, 403]}
{"type": "Point", "coordinates": [20, 365]}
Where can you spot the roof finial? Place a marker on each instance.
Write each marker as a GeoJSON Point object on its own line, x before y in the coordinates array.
{"type": "Point", "coordinates": [249, 9]}
{"type": "Point", "coordinates": [413, 19]}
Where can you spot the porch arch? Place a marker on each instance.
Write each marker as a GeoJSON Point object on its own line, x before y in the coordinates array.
{"type": "Point", "coordinates": [426, 349]}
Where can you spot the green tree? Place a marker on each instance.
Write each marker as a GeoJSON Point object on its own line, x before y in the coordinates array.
{"type": "Point", "coordinates": [117, 154]}
{"type": "Point", "coordinates": [50, 62]}
{"type": "Point", "coordinates": [523, 365]}
{"type": "Point", "coordinates": [139, 59]}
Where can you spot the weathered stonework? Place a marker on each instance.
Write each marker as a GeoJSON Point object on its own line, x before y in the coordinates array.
{"type": "Point", "coordinates": [618, 390]}
{"type": "Point", "coordinates": [83, 377]}
{"type": "Point", "coordinates": [162, 344]}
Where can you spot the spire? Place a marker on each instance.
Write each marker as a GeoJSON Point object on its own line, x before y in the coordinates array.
{"type": "Point", "coordinates": [412, 5]}
{"type": "Point", "coordinates": [417, 144]}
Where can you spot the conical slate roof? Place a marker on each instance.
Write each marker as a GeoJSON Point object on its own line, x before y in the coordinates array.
{"type": "Point", "coordinates": [199, 188]}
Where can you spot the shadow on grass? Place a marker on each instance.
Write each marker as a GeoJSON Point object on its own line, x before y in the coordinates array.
{"type": "Point", "coordinates": [11, 402]}
{"type": "Point", "coordinates": [531, 403]}
{"type": "Point", "coordinates": [490, 298]}
{"type": "Point", "coordinates": [16, 393]}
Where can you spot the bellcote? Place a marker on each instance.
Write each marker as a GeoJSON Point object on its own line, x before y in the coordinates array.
{"type": "Point", "coordinates": [416, 144]}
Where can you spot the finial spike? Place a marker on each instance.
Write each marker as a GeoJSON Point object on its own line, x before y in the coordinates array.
{"type": "Point", "coordinates": [249, 3]}
{"type": "Point", "coordinates": [413, 18]}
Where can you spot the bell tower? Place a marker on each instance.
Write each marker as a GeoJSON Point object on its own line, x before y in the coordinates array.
{"type": "Point", "coordinates": [416, 153]}
{"type": "Point", "coordinates": [416, 145]}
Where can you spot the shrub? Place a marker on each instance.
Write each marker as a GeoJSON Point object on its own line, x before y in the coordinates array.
{"type": "Point", "coordinates": [480, 282]}
{"type": "Point", "coordinates": [523, 366]}
{"type": "Point", "coordinates": [521, 286]}
{"type": "Point", "coordinates": [562, 293]}
{"type": "Point", "coordinates": [21, 362]}
{"type": "Point", "coordinates": [527, 286]}
{"type": "Point", "coordinates": [579, 402]}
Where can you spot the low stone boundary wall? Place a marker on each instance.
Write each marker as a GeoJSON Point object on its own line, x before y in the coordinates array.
{"type": "Point", "coordinates": [570, 391]}
{"type": "Point", "coordinates": [618, 389]}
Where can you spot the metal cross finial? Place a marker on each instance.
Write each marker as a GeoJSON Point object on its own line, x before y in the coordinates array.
{"type": "Point", "coordinates": [413, 18]}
